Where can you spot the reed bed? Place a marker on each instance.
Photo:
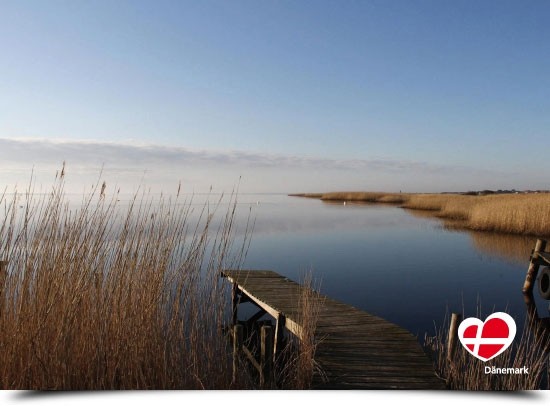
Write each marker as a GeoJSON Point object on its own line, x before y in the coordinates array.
{"type": "Point", "coordinates": [447, 206]}
{"type": "Point", "coordinates": [521, 213]}
{"type": "Point", "coordinates": [354, 196]}
{"type": "Point", "coordinates": [108, 297]}
{"type": "Point", "coordinates": [463, 371]}
{"type": "Point", "coordinates": [431, 202]}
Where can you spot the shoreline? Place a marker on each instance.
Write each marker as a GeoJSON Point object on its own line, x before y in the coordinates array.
{"type": "Point", "coordinates": [509, 212]}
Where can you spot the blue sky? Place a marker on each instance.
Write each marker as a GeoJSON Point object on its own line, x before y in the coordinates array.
{"type": "Point", "coordinates": [289, 95]}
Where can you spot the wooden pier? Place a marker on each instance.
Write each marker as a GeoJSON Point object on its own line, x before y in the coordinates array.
{"type": "Point", "coordinates": [355, 350]}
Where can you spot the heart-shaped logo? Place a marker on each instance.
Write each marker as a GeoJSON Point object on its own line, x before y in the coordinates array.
{"type": "Point", "coordinates": [486, 340]}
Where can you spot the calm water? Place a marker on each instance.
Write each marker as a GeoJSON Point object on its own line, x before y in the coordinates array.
{"type": "Point", "coordinates": [401, 265]}
{"type": "Point", "coordinates": [405, 266]}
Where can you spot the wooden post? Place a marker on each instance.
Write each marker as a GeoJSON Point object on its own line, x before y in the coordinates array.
{"type": "Point", "coordinates": [533, 267]}
{"type": "Point", "coordinates": [266, 357]}
{"type": "Point", "coordinates": [456, 318]}
{"type": "Point", "coordinates": [279, 336]}
{"type": "Point", "coordinates": [237, 349]}
{"type": "Point", "coordinates": [234, 304]}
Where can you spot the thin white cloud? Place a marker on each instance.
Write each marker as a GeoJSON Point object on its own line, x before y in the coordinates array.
{"type": "Point", "coordinates": [131, 166]}
{"type": "Point", "coordinates": [137, 157]}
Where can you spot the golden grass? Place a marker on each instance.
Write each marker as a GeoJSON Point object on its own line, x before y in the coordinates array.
{"type": "Point", "coordinates": [449, 206]}
{"type": "Point", "coordinates": [432, 202]}
{"type": "Point", "coordinates": [105, 297]}
{"type": "Point", "coordinates": [521, 214]}
{"type": "Point", "coordinates": [526, 214]}
{"type": "Point", "coordinates": [354, 196]}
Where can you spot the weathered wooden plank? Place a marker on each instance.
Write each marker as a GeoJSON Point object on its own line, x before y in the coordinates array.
{"type": "Point", "coordinates": [377, 379]}
{"type": "Point", "coordinates": [383, 355]}
{"type": "Point", "coordinates": [375, 365]}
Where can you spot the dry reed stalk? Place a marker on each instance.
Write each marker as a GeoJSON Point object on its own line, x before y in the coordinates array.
{"type": "Point", "coordinates": [458, 207]}
{"type": "Point", "coordinates": [394, 198]}
{"type": "Point", "coordinates": [527, 214]}
{"type": "Point", "coordinates": [301, 366]}
{"type": "Point", "coordinates": [433, 202]}
{"type": "Point", "coordinates": [105, 297]}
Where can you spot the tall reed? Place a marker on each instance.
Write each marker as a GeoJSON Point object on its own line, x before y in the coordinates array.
{"type": "Point", "coordinates": [105, 296]}
{"type": "Point", "coordinates": [520, 214]}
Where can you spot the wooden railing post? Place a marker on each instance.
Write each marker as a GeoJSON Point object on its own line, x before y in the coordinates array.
{"type": "Point", "coordinates": [533, 267]}
{"type": "Point", "coordinates": [266, 357]}
{"type": "Point", "coordinates": [456, 318]}
{"type": "Point", "coordinates": [237, 349]}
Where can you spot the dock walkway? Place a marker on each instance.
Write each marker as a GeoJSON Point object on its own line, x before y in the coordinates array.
{"type": "Point", "coordinates": [356, 350]}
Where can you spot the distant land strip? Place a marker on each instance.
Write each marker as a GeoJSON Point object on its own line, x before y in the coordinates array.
{"type": "Point", "coordinates": [503, 211]}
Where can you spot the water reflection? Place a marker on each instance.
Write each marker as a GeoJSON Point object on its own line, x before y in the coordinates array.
{"type": "Point", "coordinates": [514, 248]}
{"type": "Point", "coordinates": [314, 216]}
{"type": "Point", "coordinates": [406, 266]}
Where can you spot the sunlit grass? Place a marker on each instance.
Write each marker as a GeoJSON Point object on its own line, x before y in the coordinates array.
{"type": "Point", "coordinates": [108, 295]}
{"type": "Point", "coordinates": [99, 296]}
{"type": "Point", "coordinates": [521, 214]}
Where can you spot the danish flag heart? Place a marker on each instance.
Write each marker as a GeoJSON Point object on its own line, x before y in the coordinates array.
{"type": "Point", "coordinates": [486, 340]}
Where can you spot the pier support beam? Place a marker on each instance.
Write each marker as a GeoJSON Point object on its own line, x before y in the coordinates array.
{"type": "Point", "coordinates": [237, 349]}
{"type": "Point", "coordinates": [266, 357]}
{"type": "Point", "coordinates": [533, 267]}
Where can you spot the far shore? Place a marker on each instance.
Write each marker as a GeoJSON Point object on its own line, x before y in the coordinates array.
{"type": "Point", "coordinates": [525, 213]}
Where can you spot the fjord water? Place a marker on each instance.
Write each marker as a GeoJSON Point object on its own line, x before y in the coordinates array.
{"type": "Point", "coordinates": [404, 266]}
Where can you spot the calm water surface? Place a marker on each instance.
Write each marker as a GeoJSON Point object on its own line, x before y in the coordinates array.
{"type": "Point", "coordinates": [404, 266]}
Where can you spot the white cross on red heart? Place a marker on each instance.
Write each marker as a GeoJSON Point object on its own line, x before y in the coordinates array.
{"type": "Point", "coordinates": [486, 340]}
